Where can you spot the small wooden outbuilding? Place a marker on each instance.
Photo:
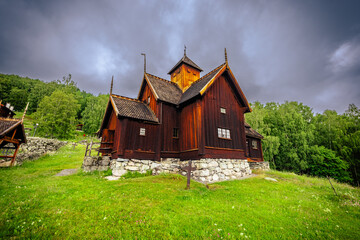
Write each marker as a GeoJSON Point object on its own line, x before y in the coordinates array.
{"type": "Point", "coordinates": [12, 135]}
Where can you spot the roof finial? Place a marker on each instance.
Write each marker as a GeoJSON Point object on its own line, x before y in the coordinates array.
{"type": "Point", "coordinates": [112, 83]}
{"type": "Point", "coordinates": [22, 119]}
{"type": "Point", "coordinates": [144, 62]}
{"type": "Point", "coordinates": [226, 60]}
{"type": "Point", "coordinates": [184, 50]}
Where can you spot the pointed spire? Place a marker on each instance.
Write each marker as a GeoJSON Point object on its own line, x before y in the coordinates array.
{"type": "Point", "coordinates": [144, 62]}
{"type": "Point", "coordinates": [184, 50]}
{"type": "Point", "coordinates": [226, 60]}
{"type": "Point", "coordinates": [27, 105]}
{"type": "Point", "coordinates": [112, 84]}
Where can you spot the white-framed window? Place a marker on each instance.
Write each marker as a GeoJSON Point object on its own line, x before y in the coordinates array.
{"type": "Point", "coordinates": [223, 110]}
{"type": "Point", "coordinates": [224, 133]}
{"type": "Point", "coordinates": [148, 100]}
{"type": "Point", "coordinates": [254, 144]}
{"type": "Point", "coordinates": [142, 132]}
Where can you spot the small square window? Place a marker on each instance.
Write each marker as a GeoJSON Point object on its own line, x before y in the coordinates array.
{"type": "Point", "coordinates": [142, 131]}
{"type": "Point", "coordinates": [254, 144]}
{"type": "Point", "coordinates": [175, 132]}
{"type": "Point", "coordinates": [223, 110]}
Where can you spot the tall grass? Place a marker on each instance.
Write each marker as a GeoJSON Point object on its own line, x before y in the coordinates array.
{"type": "Point", "coordinates": [37, 204]}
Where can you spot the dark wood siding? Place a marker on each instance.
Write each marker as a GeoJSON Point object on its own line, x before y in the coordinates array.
{"type": "Point", "coordinates": [254, 154]}
{"type": "Point", "coordinates": [108, 135]}
{"type": "Point", "coordinates": [144, 98]}
{"type": "Point", "coordinates": [137, 146]}
{"type": "Point", "coordinates": [221, 95]}
{"type": "Point", "coordinates": [170, 121]}
{"type": "Point", "coordinates": [189, 122]}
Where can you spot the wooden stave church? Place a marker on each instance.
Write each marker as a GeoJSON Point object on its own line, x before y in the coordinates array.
{"type": "Point", "coordinates": [186, 118]}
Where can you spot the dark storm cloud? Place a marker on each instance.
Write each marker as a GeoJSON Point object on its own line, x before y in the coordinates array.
{"type": "Point", "coordinates": [307, 51]}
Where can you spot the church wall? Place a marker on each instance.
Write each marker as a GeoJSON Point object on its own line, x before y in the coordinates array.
{"type": "Point", "coordinates": [140, 146]}
{"type": "Point", "coordinates": [221, 95]}
{"type": "Point", "coordinates": [188, 128]}
{"type": "Point", "coordinates": [169, 143]}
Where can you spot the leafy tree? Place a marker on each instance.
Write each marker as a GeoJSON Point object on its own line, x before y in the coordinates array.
{"type": "Point", "coordinates": [351, 146]}
{"type": "Point", "coordinates": [323, 162]}
{"type": "Point", "coordinates": [94, 113]}
{"type": "Point", "coordinates": [56, 115]}
{"type": "Point", "coordinates": [270, 143]}
{"type": "Point", "coordinates": [18, 98]}
{"type": "Point", "coordinates": [38, 92]}
{"type": "Point", "coordinates": [290, 122]}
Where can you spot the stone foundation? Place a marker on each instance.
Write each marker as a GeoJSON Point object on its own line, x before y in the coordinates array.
{"type": "Point", "coordinates": [208, 170]}
{"type": "Point", "coordinates": [96, 163]}
{"type": "Point", "coordinates": [259, 165]}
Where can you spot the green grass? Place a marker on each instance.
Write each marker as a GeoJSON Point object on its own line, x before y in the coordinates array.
{"type": "Point", "coordinates": [37, 204]}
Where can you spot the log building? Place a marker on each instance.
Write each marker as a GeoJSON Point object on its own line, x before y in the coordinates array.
{"type": "Point", "coordinates": [12, 135]}
{"type": "Point", "coordinates": [188, 117]}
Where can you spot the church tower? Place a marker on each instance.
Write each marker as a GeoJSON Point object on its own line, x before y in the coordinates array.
{"type": "Point", "coordinates": [185, 72]}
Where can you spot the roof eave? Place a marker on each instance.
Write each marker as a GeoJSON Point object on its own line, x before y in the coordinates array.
{"type": "Point", "coordinates": [206, 87]}
{"type": "Point", "coordinates": [151, 87]}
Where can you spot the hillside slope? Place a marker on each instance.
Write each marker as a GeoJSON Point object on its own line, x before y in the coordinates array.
{"type": "Point", "coordinates": [37, 204]}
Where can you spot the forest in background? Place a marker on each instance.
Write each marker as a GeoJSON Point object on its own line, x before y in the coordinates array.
{"type": "Point", "coordinates": [295, 139]}
{"type": "Point", "coordinates": [57, 106]}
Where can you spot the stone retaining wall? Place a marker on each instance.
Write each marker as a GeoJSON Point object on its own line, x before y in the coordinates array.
{"type": "Point", "coordinates": [208, 170]}
{"type": "Point", "coordinates": [35, 147]}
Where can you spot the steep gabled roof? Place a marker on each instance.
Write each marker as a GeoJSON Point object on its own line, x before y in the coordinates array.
{"type": "Point", "coordinates": [187, 61]}
{"type": "Point", "coordinates": [164, 90]}
{"type": "Point", "coordinates": [251, 132]}
{"type": "Point", "coordinates": [197, 86]}
{"type": "Point", "coordinates": [201, 86]}
{"type": "Point", "coordinates": [132, 108]}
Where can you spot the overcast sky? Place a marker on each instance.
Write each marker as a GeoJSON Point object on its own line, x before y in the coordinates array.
{"type": "Point", "coordinates": [306, 51]}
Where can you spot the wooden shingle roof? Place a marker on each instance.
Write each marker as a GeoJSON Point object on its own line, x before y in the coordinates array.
{"type": "Point", "coordinates": [251, 132]}
{"type": "Point", "coordinates": [165, 90]}
{"type": "Point", "coordinates": [6, 125]}
{"type": "Point", "coordinates": [133, 108]}
{"type": "Point", "coordinates": [187, 61]}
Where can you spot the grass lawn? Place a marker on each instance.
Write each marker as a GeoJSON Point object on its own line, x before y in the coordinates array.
{"type": "Point", "coordinates": [37, 204]}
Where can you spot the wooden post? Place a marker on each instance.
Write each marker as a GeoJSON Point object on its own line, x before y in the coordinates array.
{"type": "Point", "coordinates": [14, 156]}
{"type": "Point", "coordinates": [87, 146]}
{"type": "Point", "coordinates": [189, 168]}
{"type": "Point", "coordinates": [90, 148]}
{"type": "Point", "coordinates": [332, 186]}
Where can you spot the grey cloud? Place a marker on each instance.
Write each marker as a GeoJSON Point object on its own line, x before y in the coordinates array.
{"type": "Point", "coordinates": [278, 50]}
